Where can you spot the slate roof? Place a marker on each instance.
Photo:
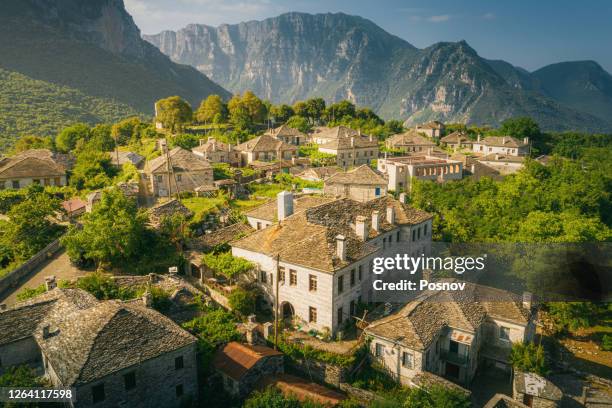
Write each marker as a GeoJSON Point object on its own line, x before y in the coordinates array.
{"type": "Point", "coordinates": [319, 172]}
{"type": "Point", "coordinates": [167, 208]}
{"type": "Point", "coordinates": [346, 143]}
{"type": "Point", "coordinates": [35, 163]}
{"type": "Point", "coordinates": [502, 141]}
{"type": "Point", "coordinates": [264, 143]}
{"type": "Point", "coordinates": [536, 385]}
{"type": "Point", "coordinates": [420, 321]}
{"type": "Point", "coordinates": [503, 158]}
{"type": "Point", "coordinates": [409, 138]}
{"type": "Point", "coordinates": [269, 210]}
{"type": "Point", "coordinates": [362, 175]}
{"type": "Point", "coordinates": [336, 132]}
{"type": "Point", "coordinates": [181, 159]}
{"type": "Point", "coordinates": [211, 145]}
{"type": "Point", "coordinates": [434, 124]}
{"type": "Point", "coordinates": [456, 137]}
{"type": "Point", "coordinates": [285, 131]}
{"type": "Point", "coordinates": [236, 359]}
{"type": "Point", "coordinates": [314, 231]}
{"type": "Point", "coordinates": [302, 389]}
{"type": "Point", "coordinates": [126, 157]}
{"type": "Point", "coordinates": [222, 236]}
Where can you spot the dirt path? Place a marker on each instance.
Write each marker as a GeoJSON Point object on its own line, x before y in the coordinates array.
{"type": "Point", "coordinates": [58, 266]}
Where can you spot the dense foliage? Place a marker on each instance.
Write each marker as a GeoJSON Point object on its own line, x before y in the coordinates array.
{"type": "Point", "coordinates": [242, 301]}
{"type": "Point", "coordinates": [528, 357]}
{"type": "Point", "coordinates": [227, 265]}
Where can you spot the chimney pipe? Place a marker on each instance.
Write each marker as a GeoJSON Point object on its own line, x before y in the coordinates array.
{"type": "Point", "coordinates": [376, 220]}
{"type": "Point", "coordinates": [285, 204]}
{"type": "Point", "coordinates": [478, 138]}
{"type": "Point", "coordinates": [527, 300]}
{"type": "Point", "coordinates": [147, 298]}
{"type": "Point", "coordinates": [473, 169]}
{"type": "Point", "coordinates": [341, 247]}
{"type": "Point", "coordinates": [362, 228]}
{"type": "Point", "coordinates": [50, 283]}
{"type": "Point", "coordinates": [352, 142]}
{"type": "Point", "coordinates": [46, 331]}
{"type": "Point", "coordinates": [526, 140]}
{"type": "Point", "coordinates": [496, 156]}
{"type": "Point", "coordinates": [402, 198]}
{"type": "Point", "coordinates": [504, 140]}
{"type": "Point", "coordinates": [391, 215]}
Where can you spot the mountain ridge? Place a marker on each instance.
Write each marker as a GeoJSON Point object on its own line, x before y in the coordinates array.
{"type": "Point", "coordinates": [338, 56]}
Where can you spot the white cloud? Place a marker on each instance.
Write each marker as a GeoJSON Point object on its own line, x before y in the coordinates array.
{"type": "Point", "coordinates": [439, 19]}
{"type": "Point", "coordinates": [489, 16]}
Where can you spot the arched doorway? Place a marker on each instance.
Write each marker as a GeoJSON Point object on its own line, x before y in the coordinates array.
{"type": "Point", "coordinates": [287, 311]}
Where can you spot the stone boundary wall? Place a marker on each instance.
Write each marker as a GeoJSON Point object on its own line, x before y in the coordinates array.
{"type": "Point", "coordinates": [10, 281]}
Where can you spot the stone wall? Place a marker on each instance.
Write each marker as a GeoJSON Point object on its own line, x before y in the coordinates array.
{"type": "Point", "coordinates": [10, 281]}
{"type": "Point", "coordinates": [321, 371]}
{"type": "Point", "coordinates": [24, 351]}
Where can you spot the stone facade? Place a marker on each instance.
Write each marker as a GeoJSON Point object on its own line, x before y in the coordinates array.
{"type": "Point", "coordinates": [401, 170]}
{"type": "Point", "coordinates": [506, 145]}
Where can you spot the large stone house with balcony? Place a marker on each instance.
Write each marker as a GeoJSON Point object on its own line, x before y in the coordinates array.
{"type": "Point", "coordinates": [506, 145]}
{"type": "Point", "coordinates": [451, 333]}
{"type": "Point", "coordinates": [111, 353]}
{"type": "Point", "coordinates": [361, 184]}
{"type": "Point", "coordinates": [265, 148]}
{"type": "Point", "coordinates": [267, 214]}
{"type": "Point", "coordinates": [352, 151]}
{"type": "Point", "coordinates": [217, 152]}
{"type": "Point", "coordinates": [324, 135]}
{"type": "Point", "coordinates": [399, 171]}
{"type": "Point", "coordinates": [186, 172]}
{"type": "Point", "coordinates": [410, 142]}
{"type": "Point", "coordinates": [457, 141]}
{"type": "Point", "coordinates": [288, 135]}
{"type": "Point", "coordinates": [35, 166]}
{"type": "Point", "coordinates": [321, 257]}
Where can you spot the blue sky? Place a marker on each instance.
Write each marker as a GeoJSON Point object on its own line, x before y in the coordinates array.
{"type": "Point", "coordinates": [529, 34]}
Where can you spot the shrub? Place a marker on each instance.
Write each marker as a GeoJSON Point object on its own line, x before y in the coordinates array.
{"type": "Point", "coordinates": [242, 301]}
{"type": "Point", "coordinates": [226, 264]}
{"type": "Point", "coordinates": [528, 357]}
{"type": "Point", "coordinates": [29, 293]}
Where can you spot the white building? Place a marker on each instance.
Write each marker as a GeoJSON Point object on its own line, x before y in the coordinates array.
{"type": "Point", "coordinates": [501, 145]}
{"type": "Point", "coordinates": [322, 256]}
{"type": "Point", "coordinates": [400, 170]}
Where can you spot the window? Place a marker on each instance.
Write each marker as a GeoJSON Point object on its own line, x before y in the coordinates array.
{"type": "Point", "coordinates": [1, 185]}
{"type": "Point", "coordinates": [258, 225]}
{"type": "Point", "coordinates": [340, 315]}
{"type": "Point", "coordinates": [179, 390]}
{"type": "Point", "coordinates": [281, 274]}
{"type": "Point", "coordinates": [97, 393]}
{"type": "Point", "coordinates": [352, 277]}
{"type": "Point", "coordinates": [58, 181]}
{"type": "Point", "coordinates": [397, 236]}
{"type": "Point", "coordinates": [160, 179]}
{"type": "Point", "coordinates": [390, 238]}
{"type": "Point", "coordinates": [360, 272]}
{"type": "Point", "coordinates": [15, 183]}
{"type": "Point", "coordinates": [129, 380]}
{"type": "Point", "coordinates": [504, 333]}
{"type": "Point", "coordinates": [425, 230]}
{"type": "Point", "coordinates": [384, 242]}
{"type": "Point", "coordinates": [340, 284]}
{"type": "Point", "coordinates": [312, 314]}
{"type": "Point", "coordinates": [379, 350]}
{"type": "Point", "coordinates": [36, 181]}
{"type": "Point", "coordinates": [406, 360]}
{"type": "Point", "coordinates": [352, 308]}
{"type": "Point", "coordinates": [292, 277]}
{"type": "Point", "coordinates": [453, 347]}
{"type": "Point", "coordinates": [263, 276]}
{"type": "Point", "coordinates": [178, 363]}
{"type": "Point", "coordinates": [413, 235]}
{"type": "Point", "coordinates": [312, 283]}
{"type": "Point", "coordinates": [179, 177]}
{"type": "Point", "coordinates": [377, 191]}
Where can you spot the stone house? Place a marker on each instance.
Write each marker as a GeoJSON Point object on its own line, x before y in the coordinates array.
{"type": "Point", "coordinates": [241, 366]}
{"type": "Point", "coordinates": [451, 333]}
{"type": "Point", "coordinates": [265, 148]}
{"type": "Point", "coordinates": [506, 145]}
{"type": "Point", "coordinates": [410, 142]}
{"type": "Point", "coordinates": [433, 129]}
{"type": "Point", "coordinates": [321, 257]}
{"type": "Point", "coordinates": [217, 152]}
{"type": "Point", "coordinates": [166, 209]}
{"type": "Point", "coordinates": [361, 184]}
{"type": "Point", "coordinates": [288, 135]}
{"type": "Point", "coordinates": [120, 158]}
{"type": "Point", "coordinates": [267, 214]}
{"type": "Point", "coordinates": [535, 391]}
{"type": "Point", "coordinates": [35, 166]}
{"type": "Point", "coordinates": [318, 173]}
{"type": "Point", "coordinates": [503, 163]}
{"type": "Point", "coordinates": [457, 141]}
{"type": "Point", "coordinates": [112, 353]}
{"type": "Point", "coordinates": [73, 208]}
{"type": "Point", "coordinates": [399, 171]}
{"type": "Point", "coordinates": [352, 151]}
{"type": "Point", "coordinates": [187, 172]}
{"type": "Point", "coordinates": [324, 135]}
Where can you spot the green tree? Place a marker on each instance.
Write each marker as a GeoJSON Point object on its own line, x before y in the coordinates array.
{"type": "Point", "coordinates": [111, 233]}
{"type": "Point", "coordinates": [242, 301]}
{"type": "Point", "coordinates": [32, 142]}
{"type": "Point", "coordinates": [20, 377]}
{"type": "Point", "coordinates": [300, 123]}
{"type": "Point", "coordinates": [92, 170]}
{"type": "Point", "coordinates": [437, 396]}
{"type": "Point", "coordinates": [185, 140]}
{"type": "Point", "coordinates": [212, 109]}
{"type": "Point", "coordinates": [101, 138]}
{"type": "Point", "coordinates": [281, 113]}
{"type": "Point", "coordinates": [315, 108]}
{"type": "Point", "coordinates": [227, 265]}
{"type": "Point", "coordinates": [528, 357]}
{"type": "Point", "coordinates": [239, 114]}
{"type": "Point", "coordinates": [337, 111]}
{"type": "Point", "coordinates": [68, 137]}
{"type": "Point", "coordinates": [300, 109]}
{"type": "Point", "coordinates": [126, 130]}
{"type": "Point", "coordinates": [173, 112]}
{"type": "Point", "coordinates": [520, 127]}
{"type": "Point", "coordinates": [255, 107]}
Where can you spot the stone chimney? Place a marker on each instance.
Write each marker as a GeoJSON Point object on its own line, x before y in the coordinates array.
{"type": "Point", "coordinates": [504, 140]}
{"type": "Point", "coordinates": [402, 198]}
{"type": "Point", "coordinates": [50, 283]}
{"type": "Point", "coordinates": [359, 132]}
{"type": "Point", "coordinates": [376, 220]}
{"type": "Point", "coordinates": [527, 300]}
{"type": "Point", "coordinates": [46, 331]}
{"type": "Point", "coordinates": [429, 151]}
{"type": "Point", "coordinates": [391, 215]}
{"type": "Point", "coordinates": [362, 228]}
{"type": "Point", "coordinates": [352, 142]}
{"type": "Point", "coordinates": [341, 247]}
{"type": "Point", "coordinates": [473, 168]}
{"type": "Point", "coordinates": [162, 145]}
{"type": "Point", "coordinates": [496, 156]}
{"type": "Point", "coordinates": [152, 278]}
{"type": "Point", "coordinates": [147, 298]}
{"type": "Point", "coordinates": [526, 140]}
{"type": "Point", "coordinates": [293, 160]}
{"type": "Point", "coordinates": [285, 204]}
{"type": "Point", "coordinates": [478, 138]}
{"type": "Point", "coordinates": [371, 138]}
{"type": "Point", "coordinates": [3, 307]}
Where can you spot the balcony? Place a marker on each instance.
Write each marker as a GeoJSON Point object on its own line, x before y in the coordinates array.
{"type": "Point", "coordinates": [454, 358]}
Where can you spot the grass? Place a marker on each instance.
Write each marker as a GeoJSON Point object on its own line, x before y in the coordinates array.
{"type": "Point", "coordinates": [201, 206]}
{"type": "Point", "coordinates": [266, 190]}
{"type": "Point", "coordinates": [246, 205]}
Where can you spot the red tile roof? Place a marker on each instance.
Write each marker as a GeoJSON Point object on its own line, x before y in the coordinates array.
{"type": "Point", "coordinates": [236, 359]}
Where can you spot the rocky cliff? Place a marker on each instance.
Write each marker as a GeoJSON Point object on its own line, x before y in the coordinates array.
{"type": "Point", "coordinates": [295, 56]}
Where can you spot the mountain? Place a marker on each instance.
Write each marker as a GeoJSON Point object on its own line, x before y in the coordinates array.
{"type": "Point", "coordinates": [94, 49]}
{"type": "Point", "coordinates": [582, 85]}
{"type": "Point", "coordinates": [296, 56]}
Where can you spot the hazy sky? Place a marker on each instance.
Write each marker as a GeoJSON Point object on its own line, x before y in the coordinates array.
{"type": "Point", "coordinates": [529, 34]}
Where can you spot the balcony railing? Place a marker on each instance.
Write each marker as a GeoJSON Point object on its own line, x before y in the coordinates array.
{"type": "Point", "coordinates": [454, 358]}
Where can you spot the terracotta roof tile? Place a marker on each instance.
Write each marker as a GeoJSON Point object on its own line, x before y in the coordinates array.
{"type": "Point", "coordinates": [236, 359]}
